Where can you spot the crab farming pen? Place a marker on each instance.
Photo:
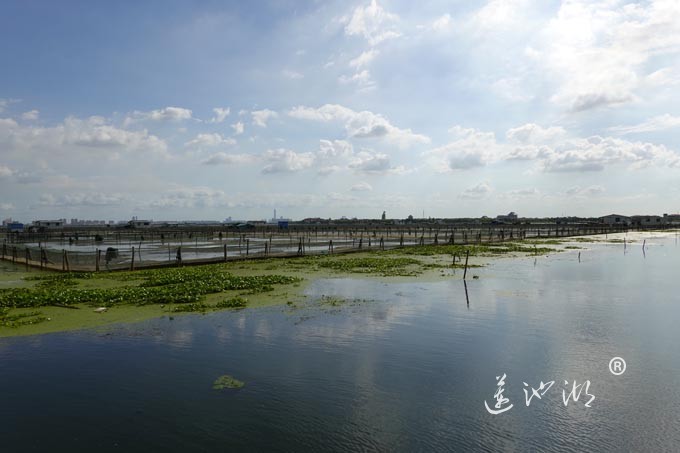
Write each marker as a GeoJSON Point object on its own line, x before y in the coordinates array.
{"type": "Point", "coordinates": [82, 249]}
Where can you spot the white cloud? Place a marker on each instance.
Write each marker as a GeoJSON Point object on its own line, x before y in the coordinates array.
{"type": "Point", "coordinates": [590, 191]}
{"type": "Point", "coordinates": [6, 206]}
{"type": "Point", "coordinates": [362, 124]}
{"type": "Point", "coordinates": [82, 199]}
{"type": "Point", "coordinates": [286, 161]}
{"type": "Point", "coordinates": [210, 140]}
{"type": "Point", "coordinates": [371, 162]}
{"type": "Point", "coordinates": [599, 49]}
{"type": "Point", "coordinates": [364, 59]}
{"type": "Point", "coordinates": [165, 114]}
{"type": "Point", "coordinates": [30, 115]}
{"type": "Point", "coordinates": [238, 128]}
{"type": "Point", "coordinates": [595, 153]}
{"type": "Point", "coordinates": [260, 117]}
{"type": "Point", "coordinates": [361, 187]}
{"type": "Point", "coordinates": [74, 134]}
{"type": "Point", "coordinates": [5, 171]}
{"type": "Point", "coordinates": [549, 148]}
{"type": "Point", "coordinates": [373, 23]}
{"type": "Point", "coordinates": [223, 158]}
{"type": "Point", "coordinates": [534, 134]}
{"type": "Point", "coordinates": [472, 148]}
{"type": "Point", "coordinates": [522, 193]}
{"type": "Point", "coordinates": [362, 79]}
{"type": "Point", "coordinates": [220, 114]}
{"type": "Point", "coordinates": [292, 75]}
{"type": "Point", "coordinates": [333, 150]}
{"type": "Point", "coordinates": [476, 192]}
{"type": "Point", "coordinates": [4, 103]}
{"type": "Point", "coordinates": [442, 23]}
{"type": "Point", "coordinates": [658, 123]}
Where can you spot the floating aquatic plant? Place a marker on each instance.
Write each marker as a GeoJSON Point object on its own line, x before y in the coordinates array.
{"type": "Point", "coordinates": [227, 382]}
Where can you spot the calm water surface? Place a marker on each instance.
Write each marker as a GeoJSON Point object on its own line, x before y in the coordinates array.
{"type": "Point", "coordinates": [405, 367]}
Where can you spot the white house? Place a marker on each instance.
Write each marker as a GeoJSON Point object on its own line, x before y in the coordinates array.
{"type": "Point", "coordinates": [48, 224]}
{"type": "Point", "coordinates": [615, 219]}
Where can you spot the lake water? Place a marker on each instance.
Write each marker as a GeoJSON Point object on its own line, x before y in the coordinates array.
{"type": "Point", "coordinates": [404, 367]}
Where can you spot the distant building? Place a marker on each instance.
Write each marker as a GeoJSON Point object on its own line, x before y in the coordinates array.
{"type": "Point", "coordinates": [671, 219]}
{"type": "Point", "coordinates": [135, 223]}
{"type": "Point", "coordinates": [510, 217]}
{"type": "Point", "coordinates": [48, 224]}
{"type": "Point", "coordinates": [646, 220]}
{"type": "Point", "coordinates": [615, 219]}
{"type": "Point", "coordinates": [15, 227]}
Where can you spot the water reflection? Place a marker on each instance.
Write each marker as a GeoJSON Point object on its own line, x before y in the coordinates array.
{"type": "Point", "coordinates": [397, 367]}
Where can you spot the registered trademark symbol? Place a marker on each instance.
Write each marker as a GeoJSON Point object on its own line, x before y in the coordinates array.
{"type": "Point", "coordinates": [617, 366]}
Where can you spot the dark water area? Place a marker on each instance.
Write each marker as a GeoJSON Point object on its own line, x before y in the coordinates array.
{"type": "Point", "coordinates": [401, 366]}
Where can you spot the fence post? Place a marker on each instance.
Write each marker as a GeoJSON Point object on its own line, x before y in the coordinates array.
{"type": "Point", "coordinates": [132, 261]}
{"type": "Point", "coordinates": [225, 251]}
{"type": "Point", "coordinates": [96, 260]}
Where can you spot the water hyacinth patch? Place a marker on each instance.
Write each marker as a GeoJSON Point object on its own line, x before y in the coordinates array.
{"type": "Point", "coordinates": [227, 382]}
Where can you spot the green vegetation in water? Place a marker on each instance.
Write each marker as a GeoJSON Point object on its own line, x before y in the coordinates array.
{"type": "Point", "coordinates": [189, 289]}
{"type": "Point", "coordinates": [573, 247]}
{"type": "Point", "coordinates": [373, 265]}
{"type": "Point", "coordinates": [227, 382]}
{"type": "Point", "coordinates": [474, 250]}
{"type": "Point", "coordinates": [232, 302]}
{"type": "Point", "coordinates": [20, 319]}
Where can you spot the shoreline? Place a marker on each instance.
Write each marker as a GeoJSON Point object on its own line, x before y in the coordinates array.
{"type": "Point", "coordinates": [422, 263]}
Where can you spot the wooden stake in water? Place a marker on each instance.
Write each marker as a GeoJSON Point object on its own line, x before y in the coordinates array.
{"type": "Point", "coordinates": [467, 255]}
{"type": "Point", "coordinates": [579, 257]}
{"type": "Point", "coordinates": [467, 298]}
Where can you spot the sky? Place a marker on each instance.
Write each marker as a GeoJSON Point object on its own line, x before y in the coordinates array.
{"type": "Point", "coordinates": [180, 110]}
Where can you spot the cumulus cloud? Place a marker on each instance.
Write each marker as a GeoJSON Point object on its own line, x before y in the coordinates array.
{"type": "Point", "coordinates": [476, 192]}
{"type": "Point", "coordinates": [364, 124]}
{"type": "Point", "coordinates": [599, 50]}
{"type": "Point", "coordinates": [261, 117]}
{"type": "Point", "coordinates": [371, 162]}
{"type": "Point", "coordinates": [550, 148]}
{"type": "Point", "coordinates": [361, 187]}
{"type": "Point", "coordinates": [222, 158]}
{"type": "Point", "coordinates": [364, 59]}
{"type": "Point", "coordinates": [533, 133]}
{"type": "Point", "coordinates": [595, 153]}
{"type": "Point", "coordinates": [471, 148]}
{"type": "Point", "coordinates": [373, 23]}
{"type": "Point", "coordinates": [238, 128]}
{"type": "Point", "coordinates": [31, 115]}
{"type": "Point", "coordinates": [361, 79]}
{"type": "Point", "coordinates": [208, 140]}
{"type": "Point", "coordinates": [286, 161]}
{"type": "Point", "coordinates": [75, 134]}
{"type": "Point", "coordinates": [220, 114]}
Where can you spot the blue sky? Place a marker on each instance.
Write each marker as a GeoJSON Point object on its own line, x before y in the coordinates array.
{"type": "Point", "coordinates": [203, 110]}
